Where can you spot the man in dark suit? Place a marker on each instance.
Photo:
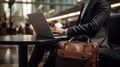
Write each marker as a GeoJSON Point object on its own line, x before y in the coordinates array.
{"type": "Point", "coordinates": [92, 22]}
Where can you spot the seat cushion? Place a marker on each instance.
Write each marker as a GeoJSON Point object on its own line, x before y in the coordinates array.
{"type": "Point", "coordinates": [109, 58]}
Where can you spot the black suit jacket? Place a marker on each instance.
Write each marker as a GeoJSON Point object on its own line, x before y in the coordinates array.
{"type": "Point", "coordinates": [93, 22]}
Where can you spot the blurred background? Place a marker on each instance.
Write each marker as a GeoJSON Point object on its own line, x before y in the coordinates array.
{"type": "Point", "coordinates": [14, 12]}
{"type": "Point", "coordinates": [14, 20]}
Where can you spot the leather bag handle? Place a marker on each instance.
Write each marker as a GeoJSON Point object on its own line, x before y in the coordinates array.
{"type": "Point", "coordinates": [88, 39]}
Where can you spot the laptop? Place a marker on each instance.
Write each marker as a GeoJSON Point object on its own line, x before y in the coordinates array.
{"type": "Point", "coordinates": [41, 25]}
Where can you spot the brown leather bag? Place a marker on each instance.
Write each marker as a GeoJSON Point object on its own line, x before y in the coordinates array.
{"type": "Point", "coordinates": [76, 54]}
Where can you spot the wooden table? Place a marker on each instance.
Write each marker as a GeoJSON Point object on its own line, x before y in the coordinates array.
{"type": "Point", "coordinates": [22, 41]}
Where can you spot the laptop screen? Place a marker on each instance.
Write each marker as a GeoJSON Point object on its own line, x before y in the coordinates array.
{"type": "Point", "coordinates": [40, 24]}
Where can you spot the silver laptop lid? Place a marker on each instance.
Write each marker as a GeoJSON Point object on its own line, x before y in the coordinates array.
{"type": "Point", "coordinates": [40, 24]}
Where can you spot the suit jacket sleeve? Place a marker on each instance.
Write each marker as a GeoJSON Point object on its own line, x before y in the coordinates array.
{"type": "Point", "coordinates": [101, 13]}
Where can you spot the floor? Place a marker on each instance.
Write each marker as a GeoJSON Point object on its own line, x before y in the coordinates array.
{"type": "Point", "coordinates": [9, 55]}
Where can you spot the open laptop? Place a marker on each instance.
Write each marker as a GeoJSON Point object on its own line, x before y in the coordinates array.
{"type": "Point", "coordinates": [41, 25]}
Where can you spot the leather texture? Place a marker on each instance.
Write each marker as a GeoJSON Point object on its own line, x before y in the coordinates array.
{"type": "Point", "coordinates": [76, 54]}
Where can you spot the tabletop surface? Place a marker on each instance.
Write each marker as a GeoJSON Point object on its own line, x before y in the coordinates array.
{"type": "Point", "coordinates": [13, 39]}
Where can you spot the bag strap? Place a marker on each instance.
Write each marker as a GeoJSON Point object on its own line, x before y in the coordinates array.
{"type": "Point", "coordinates": [71, 39]}
{"type": "Point", "coordinates": [88, 39]}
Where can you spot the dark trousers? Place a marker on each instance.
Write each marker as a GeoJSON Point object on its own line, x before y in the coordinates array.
{"type": "Point", "coordinates": [50, 62]}
{"type": "Point", "coordinates": [38, 54]}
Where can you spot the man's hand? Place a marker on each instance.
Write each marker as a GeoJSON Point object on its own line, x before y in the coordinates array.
{"type": "Point", "coordinates": [60, 31]}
